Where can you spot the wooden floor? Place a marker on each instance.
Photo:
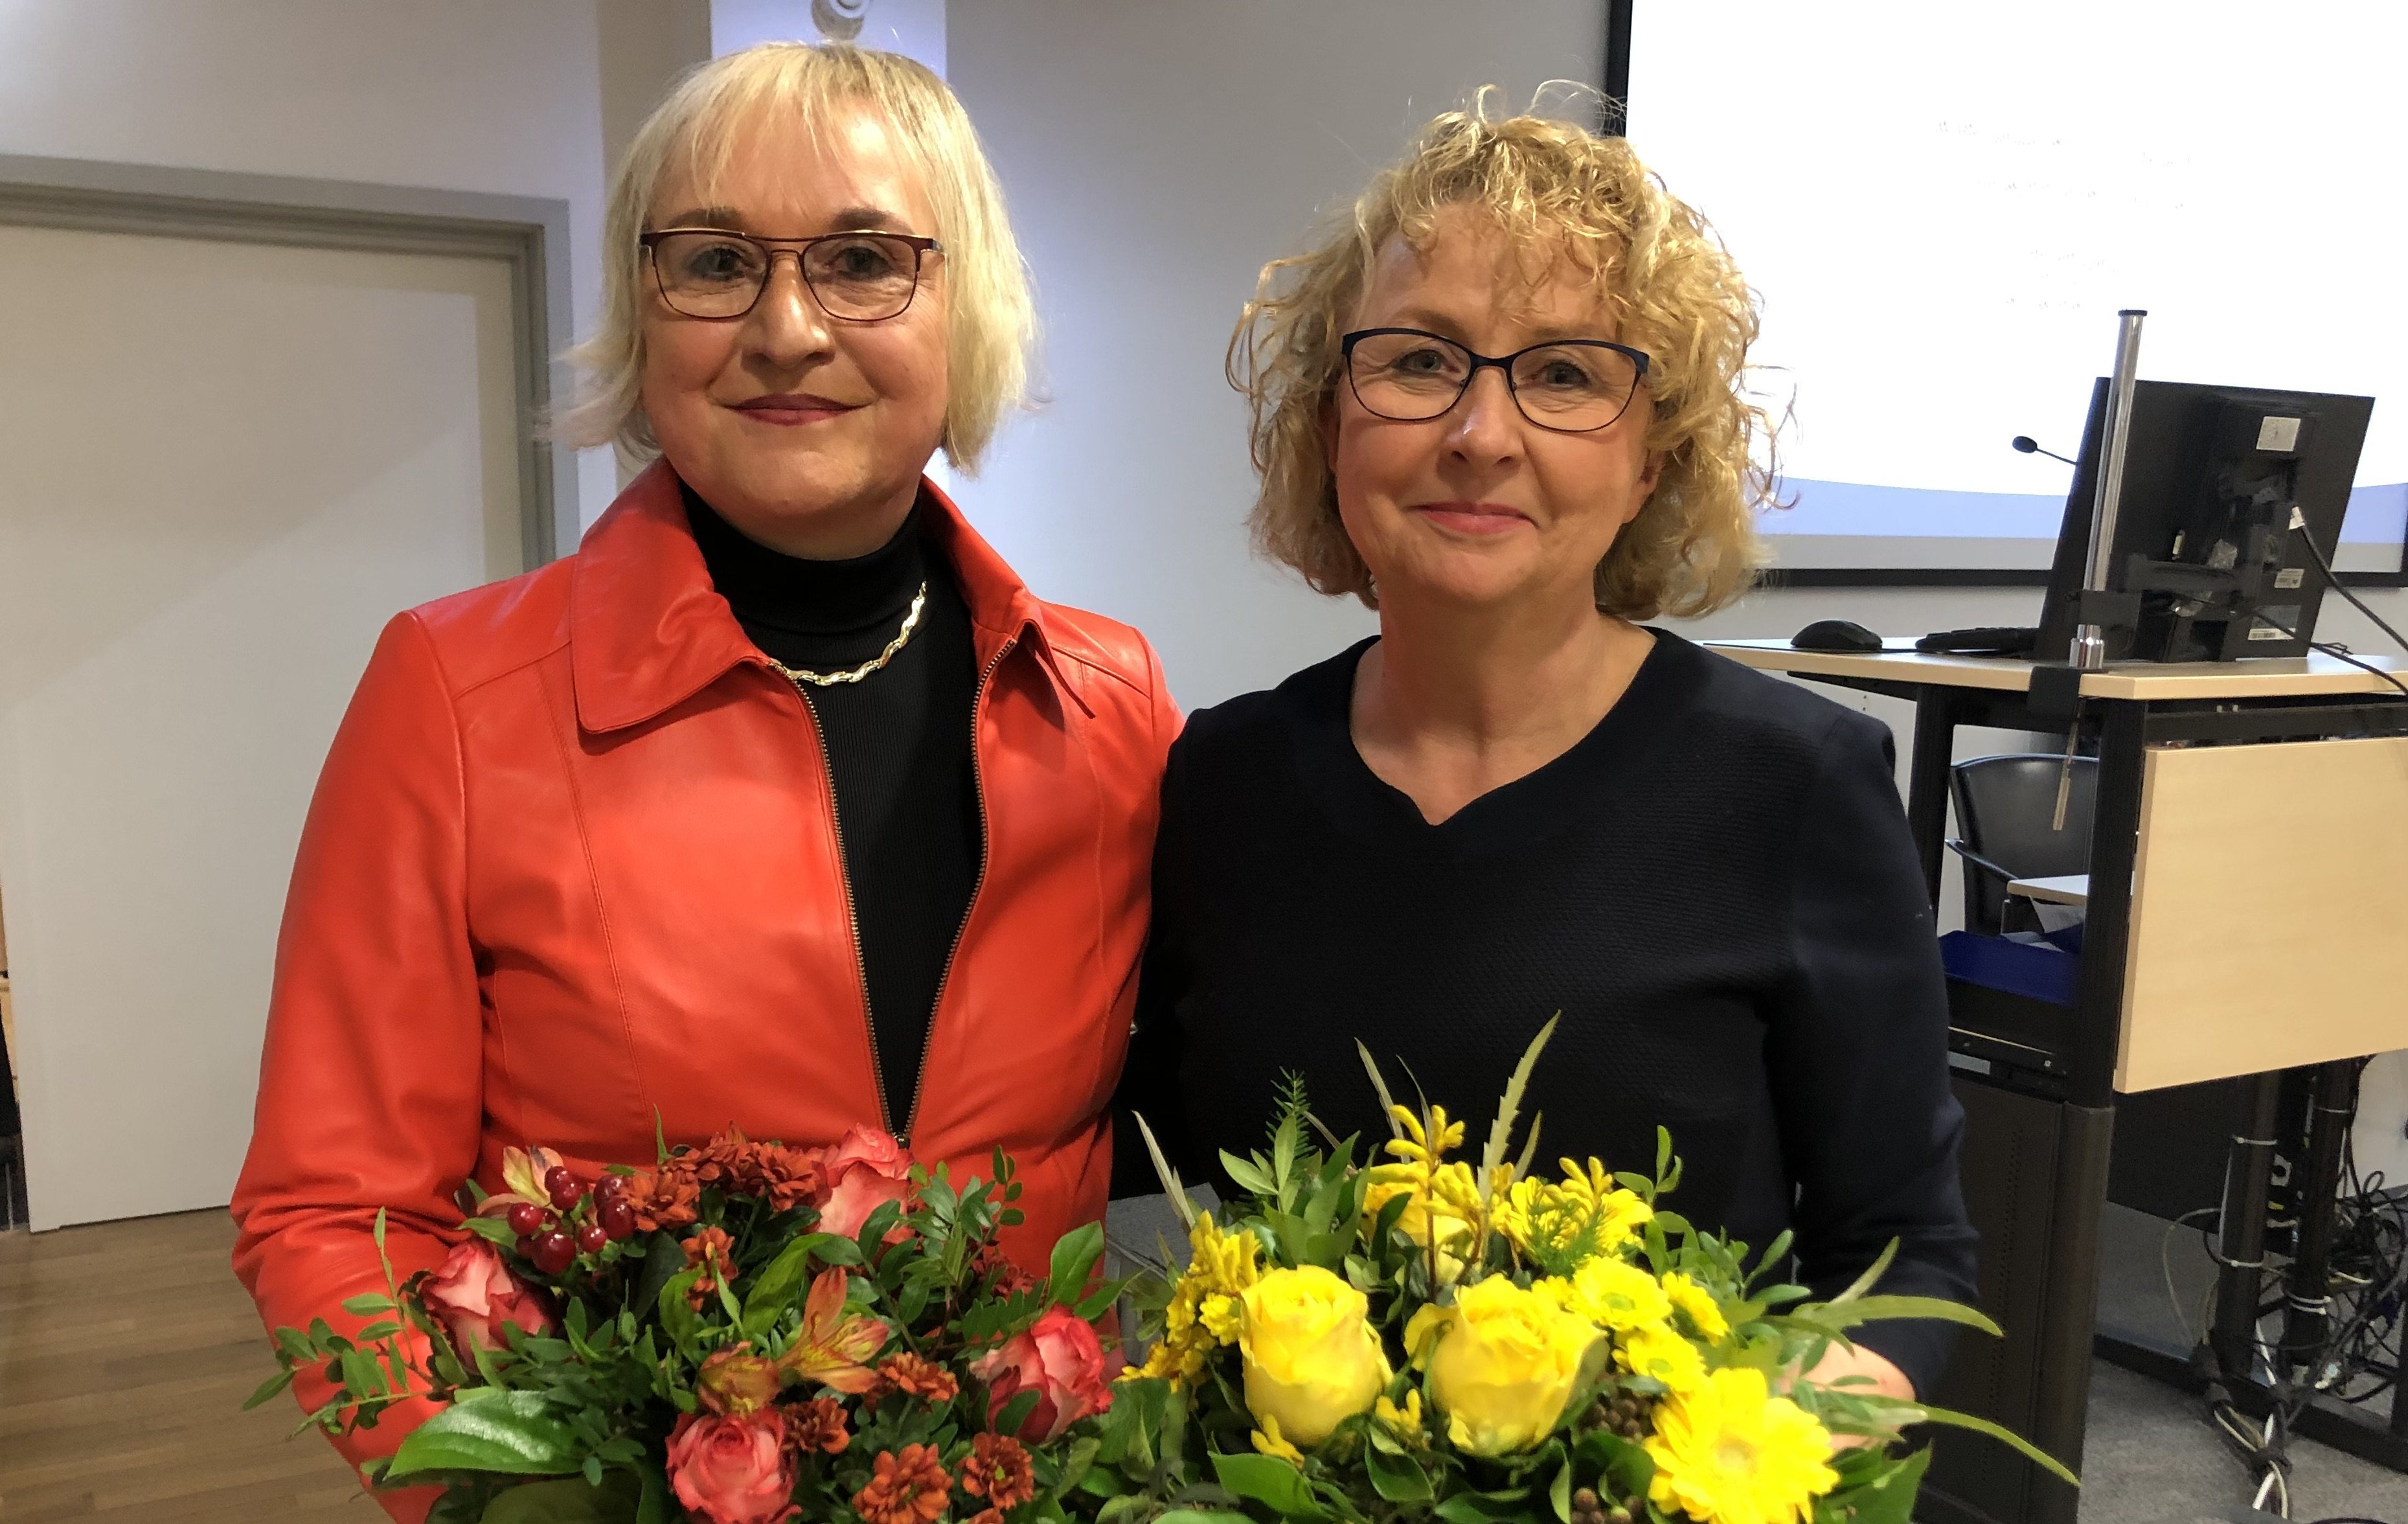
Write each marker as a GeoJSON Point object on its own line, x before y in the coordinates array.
{"type": "Point", "coordinates": [126, 1350]}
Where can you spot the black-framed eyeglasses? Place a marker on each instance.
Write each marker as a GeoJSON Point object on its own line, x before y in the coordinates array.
{"type": "Point", "coordinates": [1571, 386]}
{"type": "Point", "coordinates": [708, 272]}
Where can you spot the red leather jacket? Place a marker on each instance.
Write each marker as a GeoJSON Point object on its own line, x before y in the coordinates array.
{"type": "Point", "coordinates": [573, 866]}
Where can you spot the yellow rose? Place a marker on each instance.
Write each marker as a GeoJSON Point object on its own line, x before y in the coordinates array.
{"type": "Point", "coordinates": [1505, 1362]}
{"type": "Point", "coordinates": [1313, 1359]}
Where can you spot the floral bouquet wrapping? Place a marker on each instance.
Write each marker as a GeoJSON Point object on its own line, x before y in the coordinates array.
{"type": "Point", "coordinates": [1425, 1338]}
{"type": "Point", "coordinates": [744, 1333]}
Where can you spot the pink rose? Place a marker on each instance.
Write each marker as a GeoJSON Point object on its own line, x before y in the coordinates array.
{"type": "Point", "coordinates": [861, 1171]}
{"type": "Point", "coordinates": [732, 1470]}
{"type": "Point", "coordinates": [1060, 1360]}
{"type": "Point", "coordinates": [474, 1296]}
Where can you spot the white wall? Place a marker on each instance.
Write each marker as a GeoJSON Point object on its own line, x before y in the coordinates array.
{"type": "Point", "coordinates": [1154, 156]}
{"type": "Point", "coordinates": [456, 94]}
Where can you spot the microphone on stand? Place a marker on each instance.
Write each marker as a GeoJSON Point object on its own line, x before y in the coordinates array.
{"type": "Point", "coordinates": [2028, 445]}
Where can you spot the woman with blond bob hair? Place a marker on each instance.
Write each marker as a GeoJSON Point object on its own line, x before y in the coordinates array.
{"type": "Point", "coordinates": [1502, 404]}
{"type": "Point", "coordinates": [782, 803]}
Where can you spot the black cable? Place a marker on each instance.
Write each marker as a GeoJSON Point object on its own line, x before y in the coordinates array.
{"type": "Point", "coordinates": [2332, 580]}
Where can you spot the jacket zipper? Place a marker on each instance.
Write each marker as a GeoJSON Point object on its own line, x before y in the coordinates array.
{"type": "Point", "coordinates": [944, 979]}
{"type": "Point", "coordinates": [851, 916]}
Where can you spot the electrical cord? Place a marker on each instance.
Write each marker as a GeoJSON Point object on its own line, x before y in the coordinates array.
{"type": "Point", "coordinates": [2332, 581]}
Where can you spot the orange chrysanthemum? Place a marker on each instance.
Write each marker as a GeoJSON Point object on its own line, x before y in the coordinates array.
{"type": "Point", "coordinates": [711, 1252]}
{"type": "Point", "coordinates": [907, 1489]}
{"type": "Point", "coordinates": [786, 1177]}
{"type": "Point", "coordinates": [666, 1198]}
{"type": "Point", "coordinates": [999, 1470]}
{"type": "Point", "coordinates": [917, 1377]}
{"type": "Point", "coordinates": [817, 1425]}
{"type": "Point", "coordinates": [986, 1516]}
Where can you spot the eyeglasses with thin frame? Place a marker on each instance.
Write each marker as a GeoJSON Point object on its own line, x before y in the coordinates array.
{"type": "Point", "coordinates": [1569, 385]}
{"type": "Point", "coordinates": [859, 277]}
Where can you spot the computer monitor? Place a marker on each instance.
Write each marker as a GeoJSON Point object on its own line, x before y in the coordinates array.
{"type": "Point", "coordinates": [2203, 548]}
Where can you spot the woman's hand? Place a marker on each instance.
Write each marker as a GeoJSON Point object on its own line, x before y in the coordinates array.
{"type": "Point", "coordinates": [1841, 1360]}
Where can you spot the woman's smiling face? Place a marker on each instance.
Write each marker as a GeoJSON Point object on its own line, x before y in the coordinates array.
{"type": "Point", "coordinates": [1479, 505]}
{"type": "Point", "coordinates": [806, 432]}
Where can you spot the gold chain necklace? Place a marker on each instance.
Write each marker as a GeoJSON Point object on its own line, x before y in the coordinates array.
{"type": "Point", "coordinates": [854, 674]}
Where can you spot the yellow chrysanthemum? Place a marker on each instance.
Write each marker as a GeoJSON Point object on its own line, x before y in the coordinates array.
{"type": "Point", "coordinates": [1656, 1350]}
{"type": "Point", "coordinates": [1695, 1303]}
{"type": "Point", "coordinates": [1611, 1293]}
{"type": "Point", "coordinates": [1551, 1215]}
{"type": "Point", "coordinates": [1268, 1440]}
{"type": "Point", "coordinates": [1728, 1452]}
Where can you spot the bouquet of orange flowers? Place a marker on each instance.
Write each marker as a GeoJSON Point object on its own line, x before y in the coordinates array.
{"type": "Point", "coordinates": [744, 1331]}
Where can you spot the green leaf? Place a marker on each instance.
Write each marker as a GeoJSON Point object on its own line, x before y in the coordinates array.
{"type": "Point", "coordinates": [1871, 1277]}
{"type": "Point", "coordinates": [663, 1259]}
{"type": "Point", "coordinates": [574, 1500]}
{"type": "Point", "coordinates": [1272, 1482]}
{"type": "Point", "coordinates": [367, 1306]}
{"type": "Point", "coordinates": [776, 1287]}
{"type": "Point", "coordinates": [1889, 1497]}
{"type": "Point", "coordinates": [1246, 1175]}
{"type": "Point", "coordinates": [1500, 1131]}
{"type": "Point", "coordinates": [513, 1432]}
{"type": "Point", "coordinates": [1881, 1309]}
{"type": "Point", "coordinates": [1395, 1476]}
{"type": "Point", "coordinates": [493, 1230]}
{"type": "Point", "coordinates": [1627, 1469]}
{"type": "Point", "coordinates": [1074, 1259]}
{"type": "Point", "coordinates": [1076, 1464]}
{"type": "Point", "coordinates": [1911, 1412]}
{"type": "Point", "coordinates": [267, 1389]}
{"type": "Point", "coordinates": [1009, 1418]}
{"type": "Point", "coordinates": [1200, 1516]}
{"type": "Point", "coordinates": [1559, 1492]}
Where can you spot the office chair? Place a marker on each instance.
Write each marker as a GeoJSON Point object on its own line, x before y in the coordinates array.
{"type": "Point", "coordinates": [2005, 807]}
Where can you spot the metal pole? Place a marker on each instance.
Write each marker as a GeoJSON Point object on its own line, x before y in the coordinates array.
{"type": "Point", "coordinates": [2306, 1323]}
{"type": "Point", "coordinates": [2090, 649]}
{"type": "Point", "coordinates": [2240, 1236]}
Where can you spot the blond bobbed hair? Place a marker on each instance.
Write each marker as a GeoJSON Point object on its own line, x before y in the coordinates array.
{"type": "Point", "coordinates": [1563, 197]}
{"type": "Point", "coordinates": [991, 320]}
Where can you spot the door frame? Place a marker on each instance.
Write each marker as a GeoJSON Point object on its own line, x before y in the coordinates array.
{"type": "Point", "coordinates": [528, 234]}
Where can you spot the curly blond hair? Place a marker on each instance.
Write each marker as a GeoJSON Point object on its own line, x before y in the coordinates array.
{"type": "Point", "coordinates": [991, 319]}
{"type": "Point", "coordinates": [1560, 193]}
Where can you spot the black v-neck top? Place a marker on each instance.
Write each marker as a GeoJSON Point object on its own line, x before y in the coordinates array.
{"type": "Point", "coordinates": [1715, 886]}
{"type": "Point", "coordinates": [898, 753]}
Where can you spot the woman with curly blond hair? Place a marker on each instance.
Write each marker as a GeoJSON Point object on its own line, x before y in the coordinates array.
{"type": "Point", "coordinates": [1501, 404]}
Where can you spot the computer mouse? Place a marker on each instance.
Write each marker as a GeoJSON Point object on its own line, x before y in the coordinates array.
{"type": "Point", "coordinates": [1836, 635]}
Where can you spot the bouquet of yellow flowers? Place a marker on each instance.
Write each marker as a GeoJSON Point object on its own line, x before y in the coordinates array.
{"type": "Point", "coordinates": [1478, 1343]}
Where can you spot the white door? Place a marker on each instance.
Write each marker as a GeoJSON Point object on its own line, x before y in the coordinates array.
{"type": "Point", "coordinates": [223, 466]}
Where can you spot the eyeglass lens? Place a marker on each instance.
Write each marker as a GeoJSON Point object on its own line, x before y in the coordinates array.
{"type": "Point", "coordinates": [720, 275]}
{"type": "Point", "coordinates": [1571, 386]}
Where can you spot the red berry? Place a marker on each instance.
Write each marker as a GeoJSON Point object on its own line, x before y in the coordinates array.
{"type": "Point", "coordinates": [617, 1218]}
{"type": "Point", "coordinates": [610, 1184]}
{"type": "Point", "coordinates": [552, 1252]}
{"type": "Point", "coordinates": [590, 1238]}
{"type": "Point", "coordinates": [562, 1187]}
{"type": "Point", "coordinates": [526, 1219]}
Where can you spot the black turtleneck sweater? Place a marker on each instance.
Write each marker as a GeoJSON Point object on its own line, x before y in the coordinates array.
{"type": "Point", "coordinates": [1716, 890]}
{"type": "Point", "coordinates": [898, 753]}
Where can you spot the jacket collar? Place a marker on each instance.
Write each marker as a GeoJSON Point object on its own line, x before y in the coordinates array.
{"type": "Point", "coordinates": [647, 631]}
